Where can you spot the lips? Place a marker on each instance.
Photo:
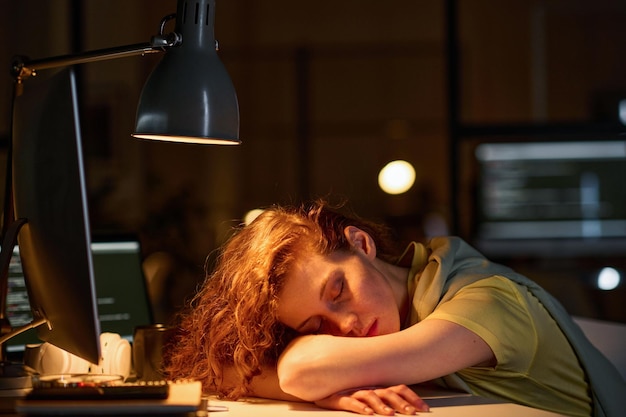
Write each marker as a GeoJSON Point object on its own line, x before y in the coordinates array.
{"type": "Point", "coordinates": [373, 330]}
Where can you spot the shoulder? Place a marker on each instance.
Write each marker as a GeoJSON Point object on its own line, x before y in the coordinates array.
{"type": "Point", "coordinates": [492, 294]}
{"type": "Point", "coordinates": [499, 311]}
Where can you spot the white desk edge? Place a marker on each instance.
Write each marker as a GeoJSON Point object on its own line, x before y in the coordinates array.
{"type": "Point", "coordinates": [258, 407]}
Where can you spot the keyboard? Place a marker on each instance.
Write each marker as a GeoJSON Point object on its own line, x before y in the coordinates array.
{"type": "Point", "coordinates": [152, 390]}
{"type": "Point", "coordinates": [134, 398]}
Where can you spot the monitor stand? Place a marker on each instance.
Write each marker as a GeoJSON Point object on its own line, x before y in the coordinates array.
{"type": "Point", "coordinates": [15, 378]}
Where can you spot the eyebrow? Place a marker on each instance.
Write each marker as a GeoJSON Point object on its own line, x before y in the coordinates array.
{"type": "Point", "coordinates": [322, 291]}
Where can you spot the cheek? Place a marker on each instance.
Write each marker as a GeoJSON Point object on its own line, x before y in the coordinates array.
{"type": "Point", "coordinates": [387, 311]}
{"type": "Point", "coordinates": [286, 311]}
{"type": "Point", "coordinates": [287, 319]}
{"type": "Point", "coordinates": [293, 311]}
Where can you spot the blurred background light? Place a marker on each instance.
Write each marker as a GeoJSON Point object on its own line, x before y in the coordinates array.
{"type": "Point", "coordinates": [396, 177]}
{"type": "Point", "coordinates": [622, 111]}
{"type": "Point", "coordinates": [608, 278]}
{"type": "Point", "coordinates": [251, 215]}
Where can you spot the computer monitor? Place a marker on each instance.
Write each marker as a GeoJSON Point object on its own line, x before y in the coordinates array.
{"type": "Point", "coordinates": [551, 197]}
{"type": "Point", "coordinates": [121, 293]}
{"type": "Point", "coordinates": [49, 190]}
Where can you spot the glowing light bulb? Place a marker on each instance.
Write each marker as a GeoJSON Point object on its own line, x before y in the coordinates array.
{"type": "Point", "coordinates": [396, 177]}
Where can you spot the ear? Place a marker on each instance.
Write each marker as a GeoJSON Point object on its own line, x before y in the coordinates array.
{"type": "Point", "coordinates": [361, 241]}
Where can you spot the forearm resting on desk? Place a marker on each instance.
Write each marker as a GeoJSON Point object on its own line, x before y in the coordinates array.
{"type": "Point", "coordinates": [315, 367]}
{"type": "Point", "coordinates": [384, 401]}
{"type": "Point", "coordinates": [264, 385]}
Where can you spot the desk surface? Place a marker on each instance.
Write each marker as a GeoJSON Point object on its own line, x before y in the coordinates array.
{"type": "Point", "coordinates": [267, 408]}
{"type": "Point", "coordinates": [440, 406]}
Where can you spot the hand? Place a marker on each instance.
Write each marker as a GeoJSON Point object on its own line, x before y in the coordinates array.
{"type": "Point", "coordinates": [384, 401]}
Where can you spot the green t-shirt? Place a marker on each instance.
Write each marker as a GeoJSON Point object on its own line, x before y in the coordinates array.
{"type": "Point", "coordinates": [536, 365]}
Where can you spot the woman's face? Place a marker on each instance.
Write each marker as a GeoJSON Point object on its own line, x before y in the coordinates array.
{"type": "Point", "coordinates": [342, 294]}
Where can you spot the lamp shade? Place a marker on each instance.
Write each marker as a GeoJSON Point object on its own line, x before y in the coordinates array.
{"type": "Point", "coordinates": [189, 97]}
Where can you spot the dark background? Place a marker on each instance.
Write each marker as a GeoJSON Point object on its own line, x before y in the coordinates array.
{"type": "Point", "coordinates": [329, 91]}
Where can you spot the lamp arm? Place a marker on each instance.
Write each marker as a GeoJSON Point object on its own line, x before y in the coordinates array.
{"type": "Point", "coordinates": [22, 67]}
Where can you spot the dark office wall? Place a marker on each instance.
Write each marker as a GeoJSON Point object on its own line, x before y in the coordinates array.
{"type": "Point", "coordinates": [329, 91]}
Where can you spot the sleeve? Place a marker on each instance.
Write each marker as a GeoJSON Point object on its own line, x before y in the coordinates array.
{"type": "Point", "coordinates": [494, 308]}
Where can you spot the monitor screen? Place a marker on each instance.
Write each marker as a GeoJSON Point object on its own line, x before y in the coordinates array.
{"type": "Point", "coordinates": [565, 195]}
{"type": "Point", "coordinates": [50, 194]}
{"type": "Point", "coordinates": [121, 293]}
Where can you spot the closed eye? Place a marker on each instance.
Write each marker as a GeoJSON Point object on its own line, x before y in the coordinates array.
{"type": "Point", "coordinates": [340, 290]}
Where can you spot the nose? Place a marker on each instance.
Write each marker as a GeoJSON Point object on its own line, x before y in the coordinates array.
{"type": "Point", "coordinates": [346, 325]}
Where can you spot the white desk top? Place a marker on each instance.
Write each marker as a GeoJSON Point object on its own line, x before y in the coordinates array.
{"type": "Point", "coordinates": [184, 398]}
{"type": "Point", "coordinates": [457, 406]}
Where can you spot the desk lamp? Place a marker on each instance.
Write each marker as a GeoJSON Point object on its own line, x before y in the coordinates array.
{"type": "Point", "coordinates": [189, 98]}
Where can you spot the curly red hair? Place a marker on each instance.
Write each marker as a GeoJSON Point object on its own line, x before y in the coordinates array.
{"type": "Point", "coordinates": [232, 320]}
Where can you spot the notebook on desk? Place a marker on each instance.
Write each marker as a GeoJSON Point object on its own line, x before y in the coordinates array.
{"type": "Point", "coordinates": [121, 292]}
